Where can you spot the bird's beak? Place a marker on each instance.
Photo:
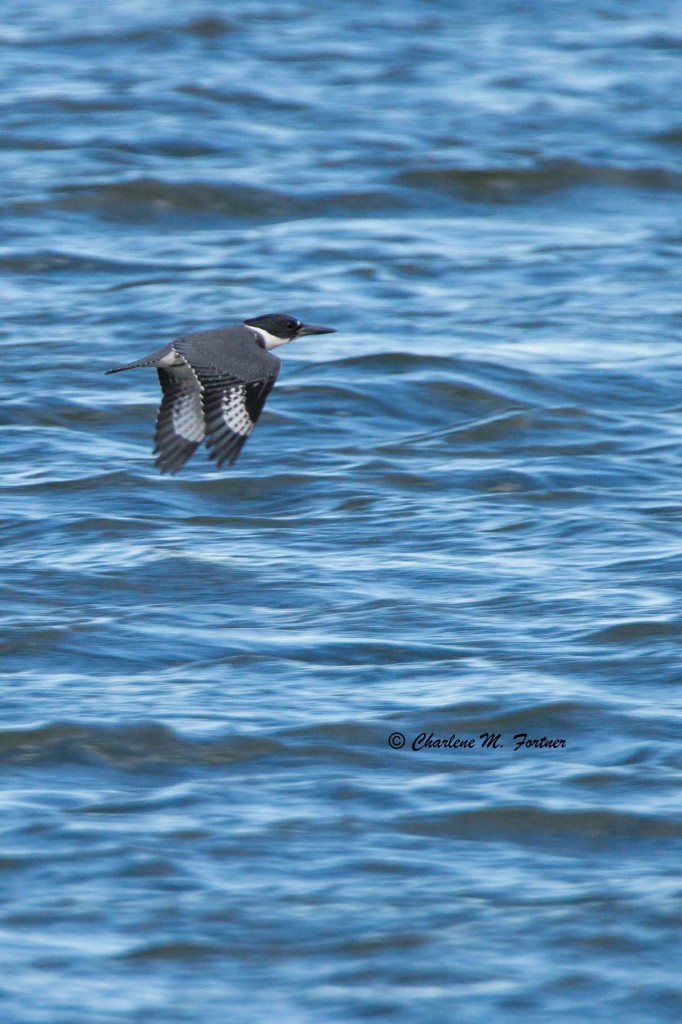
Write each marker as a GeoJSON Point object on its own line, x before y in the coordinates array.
{"type": "Point", "coordinates": [312, 329]}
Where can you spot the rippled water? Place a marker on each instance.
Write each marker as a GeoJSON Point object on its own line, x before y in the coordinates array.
{"type": "Point", "coordinates": [458, 516]}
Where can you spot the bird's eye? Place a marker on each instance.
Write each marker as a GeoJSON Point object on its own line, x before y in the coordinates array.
{"type": "Point", "coordinates": [293, 325]}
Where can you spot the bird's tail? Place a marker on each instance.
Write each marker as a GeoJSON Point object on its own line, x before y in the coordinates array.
{"type": "Point", "coordinates": [130, 366]}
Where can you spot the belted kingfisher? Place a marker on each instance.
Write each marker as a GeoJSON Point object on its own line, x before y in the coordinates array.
{"type": "Point", "coordinates": [215, 384]}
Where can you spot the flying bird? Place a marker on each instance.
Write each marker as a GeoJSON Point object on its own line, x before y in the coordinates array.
{"type": "Point", "coordinates": [215, 384]}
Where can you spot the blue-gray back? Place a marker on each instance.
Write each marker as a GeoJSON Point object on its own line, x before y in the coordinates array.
{"type": "Point", "coordinates": [232, 350]}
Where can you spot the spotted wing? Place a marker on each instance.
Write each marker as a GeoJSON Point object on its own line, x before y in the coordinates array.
{"type": "Point", "coordinates": [231, 410]}
{"type": "Point", "coordinates": [180, 421]}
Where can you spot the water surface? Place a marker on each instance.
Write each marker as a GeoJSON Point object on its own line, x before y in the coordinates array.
{"type": "Point", "coordinates": [458, 515]}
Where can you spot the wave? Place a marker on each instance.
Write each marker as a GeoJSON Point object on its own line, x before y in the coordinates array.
{"type": "Point", "coordinates": [154, 35]}
{"type": "Point", "coordinates": [49, 261]}
{"type": "Point", "coordinates": [532, 825]}
{"type": "Point", "coordinates": [137, 745]}
{"type": "Point", "coordinates": [127, 747]}
{"type": "Point", "coordinates": [510, 184]}
{"type": "Point", "coordinates": [155, 198]}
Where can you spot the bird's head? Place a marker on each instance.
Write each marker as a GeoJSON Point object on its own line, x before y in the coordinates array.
{"type": "Point", "coordinates": [279, 328]}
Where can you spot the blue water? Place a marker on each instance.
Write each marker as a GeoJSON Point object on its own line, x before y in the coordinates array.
{"type": "Point", "coordinates": [459, 515]}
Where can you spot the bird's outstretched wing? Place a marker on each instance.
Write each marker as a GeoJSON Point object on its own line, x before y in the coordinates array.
{"type": "Point", "coordinates": [231, 410]}
{"type": "Point", "coordinates": [180, 421]}
{"type": "Point", "coordinates": [234, 375]}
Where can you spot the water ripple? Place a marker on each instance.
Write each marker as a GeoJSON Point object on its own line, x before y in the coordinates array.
{"type": "Point", "coordinates": [459, 516]}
